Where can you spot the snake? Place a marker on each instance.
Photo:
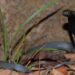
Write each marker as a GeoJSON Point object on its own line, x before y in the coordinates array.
{"type": "Point", "coordinates": [56, 45]}
{"type": "Point", "coordinates": [14, 67]}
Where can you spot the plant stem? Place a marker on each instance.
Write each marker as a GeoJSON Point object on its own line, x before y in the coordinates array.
{"type": "Point", "coordinates": [6, 45]}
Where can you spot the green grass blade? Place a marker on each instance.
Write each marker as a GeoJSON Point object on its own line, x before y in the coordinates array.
{"type": "Point", "coordinates": [18, 34]}
{"type": "Point", "coordinates": [32, 52]}
{"type": "Point", "coordinates": [18, 56]}
{"type": "Point", "coordinates": [5, 36]}
{"type": "Point", "coordinates": [18, 51]}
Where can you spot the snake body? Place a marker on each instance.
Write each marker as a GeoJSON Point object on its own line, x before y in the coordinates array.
{"type": "Point", "coordinates": [64, 46]}
{"type": "Point", "coordinates": [15, 67]}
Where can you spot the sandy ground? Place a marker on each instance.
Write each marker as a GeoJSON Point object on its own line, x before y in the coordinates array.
{"type": "Point", "coordinates": [51, 29]}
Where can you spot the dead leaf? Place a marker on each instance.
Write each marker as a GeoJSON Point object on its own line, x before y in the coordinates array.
{"type": "Point", "coordinates": [70, 56]}
{"type": "Point", "coordinates": [59, 71]}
